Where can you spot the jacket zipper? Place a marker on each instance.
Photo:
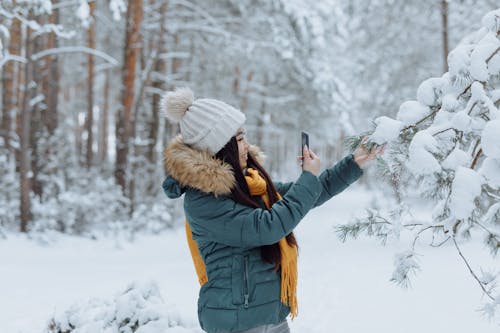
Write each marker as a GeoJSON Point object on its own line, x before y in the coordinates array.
{"type": "Point", "coordinates": [245, 278]}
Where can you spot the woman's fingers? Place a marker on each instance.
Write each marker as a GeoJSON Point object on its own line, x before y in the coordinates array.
{"type": "Point", "coordinates": [305, 152]}
{"type": "Point", "coordinates": [313, 155]}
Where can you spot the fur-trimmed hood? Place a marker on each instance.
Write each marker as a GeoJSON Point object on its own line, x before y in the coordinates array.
{"type": "Point", "coordinates": [200, 170]}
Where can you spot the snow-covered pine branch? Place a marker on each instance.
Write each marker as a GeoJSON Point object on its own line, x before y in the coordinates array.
{"type": "Point", "coordinates": [448, 142]}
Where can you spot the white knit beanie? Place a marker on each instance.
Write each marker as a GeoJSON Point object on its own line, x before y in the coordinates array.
{"type": "Point", "coordinates": [206, 124]}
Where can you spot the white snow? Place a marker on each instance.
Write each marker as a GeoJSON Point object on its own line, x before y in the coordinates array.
{"type": "Point", "coordinates": [139, 303]}
{"type": "Point", "coordinates": [459, 66]}
{"type": "Point", "coordinates": [421, 161]}
{"type": "Point", "coordinates": [494, 64]}
{"type": "Point", "coordinates": [465, 188]}
{"type": "Point", "coordinates": [492, 20]}
{"type": "Point", "coordinates": [450, 103]}
{"type": "Point", "coordinates": [456, 158]}
{"type": "Point", "coordinates": [83, 13]}
{"type": "Point", "coordinates": [490, 139]}
{"type": "Point", "coordinates": [442, 117]}
{"type": "Point", "coordinates": [117, 7]}
{"type": "Point", "coordinates": [429, 91]}
{"type": "Point", "coordinates": [494, 209]}
{"type": "Point", "coordinates": [485, 48]}
{"type": "Point", "coordinates": [461, 121]}
{"type": "Point", "coordinates": [387, 130]}
{"type": "Point", "coordinates": [412, 111]}
{"type": "Point", "coordinates": [490, 169]}
{"type": "Point", "coordinates": [339, 283]}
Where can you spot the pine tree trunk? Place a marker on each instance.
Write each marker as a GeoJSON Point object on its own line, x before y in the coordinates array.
{"type": "Point", "coordinates": [154, 125]}
{"type": "Point", "coordinates": [170, 128]}
{"type": "Point", "coordinates": [244, 95]}
{"type": "Point", "coordinates": [24, 131]}
{"type": "Point", "coordinates": [51, 78]}
{"type": "Point", "coordinates": [103, 147]}
{"type": "Point", "coordinates": [78, 128]}
{"type": "Point", "coordinates": [444, 21]}
{"type": "Point", "coordinates": [39, 70]}
{"type": "Point", "coordinates": [9, 83]}
{"type": "Point", "coordinates": [236, 81]}
{"type": "Point", "coordinates": [90, 88]}
{"type": "Point", "coordinates": [261, 134]}
{"type": "Point", "coordinates": [123, 127]}
{"type": "Point", "coordinates": [159, 67]}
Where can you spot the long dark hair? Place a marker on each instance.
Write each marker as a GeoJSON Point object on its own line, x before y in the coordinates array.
{"type": "Point", "coordinates": [241, 194]}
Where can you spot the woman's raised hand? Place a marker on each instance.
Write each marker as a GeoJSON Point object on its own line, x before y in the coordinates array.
{"type": "Point", "coordinates": [310, 161]}
{"type": "Point", "coordinates": [362, 155]}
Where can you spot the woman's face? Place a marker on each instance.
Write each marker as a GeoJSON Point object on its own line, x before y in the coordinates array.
{"type": "Point", "coordinates": [242, 147]}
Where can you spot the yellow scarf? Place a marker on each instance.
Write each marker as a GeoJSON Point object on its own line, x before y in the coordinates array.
{"type": "Point", "coordinates": [258, 187]}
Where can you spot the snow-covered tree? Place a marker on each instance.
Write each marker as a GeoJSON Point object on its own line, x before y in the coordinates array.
{"type": "Point", "coordinates": [445, 146]}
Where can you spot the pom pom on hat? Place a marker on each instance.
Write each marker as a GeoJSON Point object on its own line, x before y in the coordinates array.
{"type": "Point", "coordinates": [174, 104]}
{"type": "Point", "coordinates": [206, 124]}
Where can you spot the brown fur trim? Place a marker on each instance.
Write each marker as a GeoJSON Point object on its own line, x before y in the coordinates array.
{"type": "Point", "coordinates": [200, 170]}
{"type": "Point", "coordinates": [197, 169]}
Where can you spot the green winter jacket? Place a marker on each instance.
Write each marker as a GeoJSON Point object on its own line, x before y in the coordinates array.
{"type": "Point", "coordinates": [242, 291]}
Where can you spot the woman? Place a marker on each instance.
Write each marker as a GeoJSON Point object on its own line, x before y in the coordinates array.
{"type": "Point", "coordinates": [238, 221]}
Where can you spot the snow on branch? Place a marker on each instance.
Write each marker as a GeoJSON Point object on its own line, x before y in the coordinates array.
{"type": "Point", "coordinates": [445, 146]}
{"type": "Point", "coordinates": [75, 49]}
{"type": "Point", "coordinates": [10, 57]}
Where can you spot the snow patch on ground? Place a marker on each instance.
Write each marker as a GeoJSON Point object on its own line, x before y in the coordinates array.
{"type": "Point", "coordinates": [343, 287]}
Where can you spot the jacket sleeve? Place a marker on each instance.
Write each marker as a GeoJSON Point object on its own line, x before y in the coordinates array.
{"type": "Point", "coordinates": [337, 178]}
{"type": "Point", "coordinates": [283, 188]}
{"type": "Point", "coordinates": [222, 220]}
{"type": "Point", "coordinates": [333, 180]}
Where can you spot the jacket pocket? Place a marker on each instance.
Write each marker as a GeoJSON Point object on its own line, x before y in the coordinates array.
{"type": "Point", "coordinates": [237, 281]}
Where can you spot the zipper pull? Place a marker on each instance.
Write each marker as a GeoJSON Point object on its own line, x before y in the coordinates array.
{"type": "Point", "coordinates": [246, 301]}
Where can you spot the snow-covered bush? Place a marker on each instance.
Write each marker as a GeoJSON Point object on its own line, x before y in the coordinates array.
{"type": "Point", "coordinates": [89, 204]}
{"type": "Point", "coordinates": [445, 146]}
{"type": "Point", "coordinates": [9, 195]}
{"type": "Point", "coordinates": [139, 308]}
{"type": "Point", "coordinates": [93, 206]}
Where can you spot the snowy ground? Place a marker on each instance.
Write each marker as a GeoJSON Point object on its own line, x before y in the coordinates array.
{"type": "Point", "coordinates": [343, 287]}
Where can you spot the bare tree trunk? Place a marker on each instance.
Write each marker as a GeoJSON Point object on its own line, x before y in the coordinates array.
{"type": "Point", "coordinates": [38, 81]}
{"type": "Point", "coordinates": [51, 79]}
{"type": "Point", "coordinates": [261, 134]}
{"type": "Point", "coordinates": [159, 67]}
{"type": "Point", "coordinates": [244, 95]}
{"type": "Point", "coordinates": [78, 128]}
{"type": "Point", "coordinates": [236, 81]}
{"type": "Point", "coordinates": [90, 88]}
{"type": "Point", "coordinates": [154, 125]}
{"type": "Point", "coordinates": [9, 83]}
{"type": "Point", "coordinates": [444, 17]}
{"type": "Point", "coordinates": [170, 128]}
{"type": "Point", "coordinates": [21, 91]}
{"type": "Point", "coordinates": [25, 122]}
{"type": "Point", "coordinates": [123, 127]}
{"type": "Point", "coordinates": [103, 147]}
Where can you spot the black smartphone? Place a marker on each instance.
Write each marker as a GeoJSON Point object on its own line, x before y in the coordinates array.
{"type": "Point", "coordinates": [304, 140]}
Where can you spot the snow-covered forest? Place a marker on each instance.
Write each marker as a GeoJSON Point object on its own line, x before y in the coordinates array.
{"type": "Point", "coordinates": [82, 140]}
